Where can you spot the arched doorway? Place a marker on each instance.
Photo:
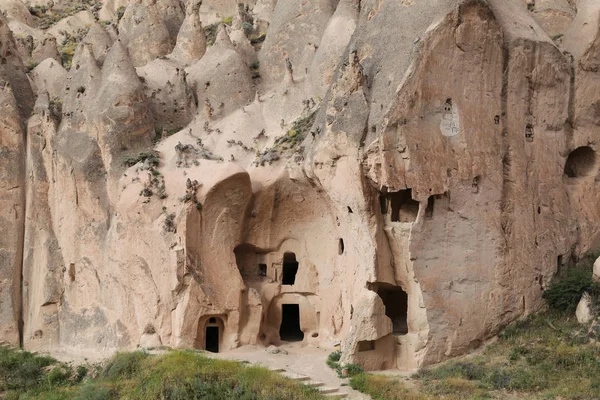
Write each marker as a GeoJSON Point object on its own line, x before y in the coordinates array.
{"type": "Point", "coordinates": [210, 333]}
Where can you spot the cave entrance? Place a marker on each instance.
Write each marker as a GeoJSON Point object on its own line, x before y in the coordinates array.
{"type": "Point", "coordinates": [581, 162]}
{"type": "Point", "coordinates": [395, 301]}
{"type": "Point", "coordinates": [212, 339]}
{"type": "Point", "coordinates": [290, 323]}
{"type": "Point", "coordinates": [210, 333]}
{"type": "Point", "coordinates": [290, 268]}
{"type": "Point", "coordinates": [401, 204]}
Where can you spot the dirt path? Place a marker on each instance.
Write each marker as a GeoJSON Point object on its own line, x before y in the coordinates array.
{"type": "Point", "coordinates": [304, 363]}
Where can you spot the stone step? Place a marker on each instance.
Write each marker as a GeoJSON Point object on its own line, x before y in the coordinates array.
{"type": "Point", "coordinates": [314, 384]}
{"type": "Point", "coordinates": [338, 395]}
{"type": "Point", "coordinates": [328, 389]}
{"type": "Point", "coordinates": [296, 377]}
{"type": "Point", "coordinates": [275, 369]}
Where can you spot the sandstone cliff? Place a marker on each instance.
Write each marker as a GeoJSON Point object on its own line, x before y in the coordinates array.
{"type": "Point", "coordinates": [402, 176]}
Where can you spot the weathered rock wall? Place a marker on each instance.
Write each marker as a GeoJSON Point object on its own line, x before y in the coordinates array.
{"type": "Point", "coordinates": [407, 191]}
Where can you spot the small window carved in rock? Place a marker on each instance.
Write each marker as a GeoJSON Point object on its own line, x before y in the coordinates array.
{"type": "Point", "coordinates": [529, 133]}
{"type": "Point", "coordinates": [72, 272]}
{"type": "Point", "coordinates": [448, 106]}
{"type": "Point", "coordinates": [262, 269]}
{"type": "Point", "coordinates": [497, 120]}
{"type": "Point", "coordinates": [290, 269]}
{"type": "Point", "coordinates": [366, 345]}
{"type": "Point", "coordinates": [475, 184]}
{"type": "Point", "coordinates": [403, 207]}
{"type": "Point", "coordinates": [341, 247]}
{"type": "Point", "coordinates": [430, 205]}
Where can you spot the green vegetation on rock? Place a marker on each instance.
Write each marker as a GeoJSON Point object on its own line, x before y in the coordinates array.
{"type": "Point", "coordinates": [565, 291]}
{"type": "Point", "coordinates": [176, 375]}
{"type": "Point", "coordinates": [548, 356]}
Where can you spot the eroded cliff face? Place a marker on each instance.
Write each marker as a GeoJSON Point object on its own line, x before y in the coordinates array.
{"type": "Point", "coordinates": [403, 177]}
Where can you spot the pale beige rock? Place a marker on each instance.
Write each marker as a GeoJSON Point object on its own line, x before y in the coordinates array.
{"type": "Point", "coordinates": [71, 25]}
{"type": "Point", "coordinates": [221, 77]}
{"type": "Point", "coordinates": [45, 49]}
{"type": "Point", "coordinates": [49, 76]}
{"type": "Point", "coordinates": [16, 9]}
{"type": "Point", "coordinates": [144, 33]}
{"type": "Point", "coordinates": [100, 41]}
{"type": "Point", "coordinates": [171, 100]}
{"type": "Point", "coordinates": [583, 311]}
{"type": "Point", "coordinates": [191, 43]}
{"type": "Point", "coordinates": [150, 340]}
{"type": "Point", "coordinates": [596, 271]}
{"type": "Point", "coordinates": [420, 186]}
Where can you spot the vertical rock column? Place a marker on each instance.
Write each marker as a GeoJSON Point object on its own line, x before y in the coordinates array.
{"type": "Point", "coordinates": [12, 209]}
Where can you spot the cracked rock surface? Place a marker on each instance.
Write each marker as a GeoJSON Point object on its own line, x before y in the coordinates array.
{"type": "Point", "coordinates": [402, 177]}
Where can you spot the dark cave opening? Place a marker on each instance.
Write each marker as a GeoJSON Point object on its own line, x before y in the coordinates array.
{"type": "Point", "coordinates": [290, 323]}
{"type": "Point", "coordinates": [290, 268]}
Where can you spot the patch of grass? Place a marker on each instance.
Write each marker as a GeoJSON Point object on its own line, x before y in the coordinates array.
{"type": "Point", "coordinates": [69, 45]}
{"type": "Point", "coordinates": [177, 375]}
{"type": "Point", "coordinates": [544, 356]}
{"type": "Point", "coordinates": [382, 388]}
{"type": "Point", "coordinates": [290, 141]}
{"type": "Point", "coordinates": [124, 365]}
{"type": "Point", "coordinates": [547, 356]}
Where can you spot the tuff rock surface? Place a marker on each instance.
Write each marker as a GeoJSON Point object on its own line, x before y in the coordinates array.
{"type": "Point", "coordinates": [404, 176]}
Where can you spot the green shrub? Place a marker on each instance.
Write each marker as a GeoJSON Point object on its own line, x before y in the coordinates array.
{"type": "Point", "coordinates": [353, 369]}
{"type": "Point", "coordinates": [120, 12]}
{"type": "Point", "coordinates": [80, 372]}
{"type": "Point", "coordinates": [564, 294]}
{"type": "Point", "coordinates": [59, 376]}
{"type": "Point", "coordinates": [22, 370]}
{"type": "Point", "coordinates": [151, 156]}
{"type": "Point", "coordinates": [333, 359]}
{"type": "Point", "coordinates": [94, 392]}
{"type": "Point", "coordinates": [124, 365]}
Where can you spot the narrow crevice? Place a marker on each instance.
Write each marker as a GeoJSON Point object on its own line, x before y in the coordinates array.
{"type": "Point", "coordinates": [570, 123]}
{"type": "Point", "coordinates": [20, 301]}
{"type": "Point", "coordinates": [506, 162]}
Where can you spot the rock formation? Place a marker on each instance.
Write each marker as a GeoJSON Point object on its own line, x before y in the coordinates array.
{"type": "Point", "coordinates": [405, 176]}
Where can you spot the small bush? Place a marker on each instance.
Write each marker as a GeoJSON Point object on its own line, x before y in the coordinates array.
{"type": "Point", "coordinates": [152, 158]}
{"type": "Point", "coordinates": [120, 12]}
{"type": "Point", "coordinates": [21, 370]}
{"type": "Point", "coordinates": [59, 376]}
{"type": "Point", "coordinates": [247, 28]}
{"type": "Point", "coordinates": [94, 392]}
{"type": "Point", "coordinates": [333, 359]}
{"type": "Point", "coordinates": [149, 329]}
{"type": "Point", "coordinates": [353, 369]}
{"type": "Point", "coordinates": [124, 365]}
{"type": "Point", "coordinates": [169, 223]}
{"type": "Point", "coordinates": [80, 372]}
{"type": "Point", "coordinates": [564, 294]}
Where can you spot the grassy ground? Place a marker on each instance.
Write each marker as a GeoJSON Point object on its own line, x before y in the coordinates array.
{"type": "Point", "coordinates": [177, 375]}
{"type": "Point", "coordinates": [549, 356]}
